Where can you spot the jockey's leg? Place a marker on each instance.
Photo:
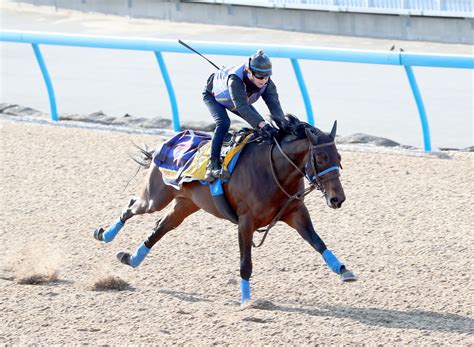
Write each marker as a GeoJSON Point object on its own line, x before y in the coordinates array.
{"type": "Point", "coordinates": [181, 209]}
{"type": "Point", "coordinates": [300, 220]}
{"type": "Point", "coordinates": [222, 120]}
{"type": "Point", "coordinates": [245, 246]}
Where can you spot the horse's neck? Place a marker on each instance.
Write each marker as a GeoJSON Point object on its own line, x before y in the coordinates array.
{"type": "Point", "coordinates": [295, 150]}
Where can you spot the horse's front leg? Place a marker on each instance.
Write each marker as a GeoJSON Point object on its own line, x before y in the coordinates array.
{"type": "Point", "coordinates": [245, 245]}
{"type": "Point", "coordinates": [301, 221]}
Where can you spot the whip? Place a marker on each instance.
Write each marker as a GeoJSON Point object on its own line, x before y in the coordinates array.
{"type": "Point", "coordinates": [192, 49]}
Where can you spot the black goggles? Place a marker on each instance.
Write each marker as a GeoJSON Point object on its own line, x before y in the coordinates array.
{"type": "Point", "coordinates": [259, 76]}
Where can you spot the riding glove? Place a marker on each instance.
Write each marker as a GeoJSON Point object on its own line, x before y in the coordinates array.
{"type": "Point", "coordinates": [268, 131]}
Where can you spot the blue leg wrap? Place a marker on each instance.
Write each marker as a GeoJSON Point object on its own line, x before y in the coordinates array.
{"type": "Point", "coordinates": [139, 255]}
{"type": "Point", "coordinates": [112, 231]}
{"type": "Point", "coordinates": [332, 261]}
{"type": "Point", "coordinates": [245, 289]}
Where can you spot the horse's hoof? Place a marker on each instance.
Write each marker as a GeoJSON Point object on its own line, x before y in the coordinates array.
{"type": "Point", "coordinates": [98, 234]}
{"type": "Point", "coordinates": [124, 258]}
{"type": "Point", "coordinates": [348, 276]}
{"type": "Point", "coordinates": [244, 305]}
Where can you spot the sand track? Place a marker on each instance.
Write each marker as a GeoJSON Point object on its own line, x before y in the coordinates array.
{"type": "Point", "coordinates": [405, 229]}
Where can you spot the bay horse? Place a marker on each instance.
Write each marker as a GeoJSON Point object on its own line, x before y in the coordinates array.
{"type": "Point", "coordinates": [266, 186]}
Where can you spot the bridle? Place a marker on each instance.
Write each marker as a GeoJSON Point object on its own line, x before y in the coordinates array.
{"type": "Point", "coordinates": [315, 180]}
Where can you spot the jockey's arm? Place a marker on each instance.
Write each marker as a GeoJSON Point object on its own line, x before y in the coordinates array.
{"type": "Point", "coordinates": [270, 96]}
{"type": "Point", "coordinates": [239, 98]}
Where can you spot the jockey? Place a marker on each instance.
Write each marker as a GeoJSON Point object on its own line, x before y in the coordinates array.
{"type": "Point", "coordinates": [235, 89]}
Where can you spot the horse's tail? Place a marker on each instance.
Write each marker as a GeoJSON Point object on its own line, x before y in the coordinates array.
{"type": "Point", "coordinates": [146, 156]}
{"type": "Point", "coordinates": [144, 161]}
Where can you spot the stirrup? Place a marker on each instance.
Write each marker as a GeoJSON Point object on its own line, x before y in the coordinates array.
{"type": "Point", "coordinates": [211, 175]}
{"type": "Point", "coordinates": [224, 174]}
{"type": "Point", "coordinates": [213, 170]}
{"type": "Point", "coordinates": [214, 174]}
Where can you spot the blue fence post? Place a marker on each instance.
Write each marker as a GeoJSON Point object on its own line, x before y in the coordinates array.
{"type": "Point", "coordinates": [169, 87]}
{"type": "Point", "coordinates": [304, 90]}
{"type": "Point", "coordinates": [408, 60]}
{"type": "Point", "coordinates": [421, 107]}
{"type": "Point", "coordinates": [47, 80]}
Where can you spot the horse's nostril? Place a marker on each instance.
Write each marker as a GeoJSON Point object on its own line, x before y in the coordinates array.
{"type": "Point", "coordinates": [336, 201]}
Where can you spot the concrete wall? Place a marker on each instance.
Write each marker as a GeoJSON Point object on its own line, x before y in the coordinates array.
{"type": "Point", "coordinates": [422, 28]}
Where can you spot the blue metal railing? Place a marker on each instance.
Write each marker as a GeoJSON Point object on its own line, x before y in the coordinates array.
{"type": "Point", "coordinates": [407, 60]}
{"type": "Point", "coordinates": [47, 81]}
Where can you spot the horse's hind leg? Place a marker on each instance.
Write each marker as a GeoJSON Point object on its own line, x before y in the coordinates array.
{"type": "Point", "coordinates": [154, 197]}
{"type": "Point", "coordinates": [135, 206]}
{"type": "Point", "coordinates": [181, 209]}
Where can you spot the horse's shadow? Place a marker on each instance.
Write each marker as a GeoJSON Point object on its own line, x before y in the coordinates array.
{"type": "Point", "coordinates": [189, 297]}
{"type": "Point", "coordinates": [415, 319]}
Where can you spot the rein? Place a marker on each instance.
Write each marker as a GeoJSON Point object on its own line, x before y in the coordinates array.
{"type": "Point", "coordinates": [313, 183]}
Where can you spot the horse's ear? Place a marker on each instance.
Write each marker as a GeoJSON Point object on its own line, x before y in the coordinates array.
{"type": "Point", "coordinates": [311, 136]}
{"type": "Point", "coordinates": [333, 130]}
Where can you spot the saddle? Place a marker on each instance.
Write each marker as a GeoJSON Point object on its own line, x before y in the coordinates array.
{"type": "Point", "coordinates": [184, 157]}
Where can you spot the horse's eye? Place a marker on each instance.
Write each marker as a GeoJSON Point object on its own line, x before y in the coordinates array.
{"type": "Point", "coordinates": [321, 158]}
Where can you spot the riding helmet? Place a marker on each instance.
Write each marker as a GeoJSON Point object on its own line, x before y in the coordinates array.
{"type": "Point", "coordinates": [260, 64]}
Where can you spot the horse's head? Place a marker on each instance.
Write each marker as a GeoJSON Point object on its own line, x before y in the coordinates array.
{"type": "Point", "coordinates": [324, 164]}
{"type": "Point", "coordinates": [323, 161]}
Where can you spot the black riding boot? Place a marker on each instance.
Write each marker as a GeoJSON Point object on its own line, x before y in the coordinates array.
{"type": "Point", "coordinates": [213, 170]}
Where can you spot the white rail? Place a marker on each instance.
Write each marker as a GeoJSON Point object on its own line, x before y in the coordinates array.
{"type": "Point", "coordinates": [437, 8]}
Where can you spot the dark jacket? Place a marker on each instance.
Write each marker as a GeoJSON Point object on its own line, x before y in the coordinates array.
{"type": "Point", "coordinates": [241, 89]}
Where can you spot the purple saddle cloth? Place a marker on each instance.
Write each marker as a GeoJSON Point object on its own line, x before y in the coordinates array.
{"type": "Point", "coordinates": [176, 154]}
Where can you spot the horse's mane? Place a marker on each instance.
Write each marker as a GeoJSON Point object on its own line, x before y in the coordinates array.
{"type": "Point", "coordinates": [291, 128]}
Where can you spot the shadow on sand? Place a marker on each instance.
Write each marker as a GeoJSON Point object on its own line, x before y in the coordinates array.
{"type": "Point", "coordinates": [189, 297]}
{"type": "Point", "coordinates": [415, 319]}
